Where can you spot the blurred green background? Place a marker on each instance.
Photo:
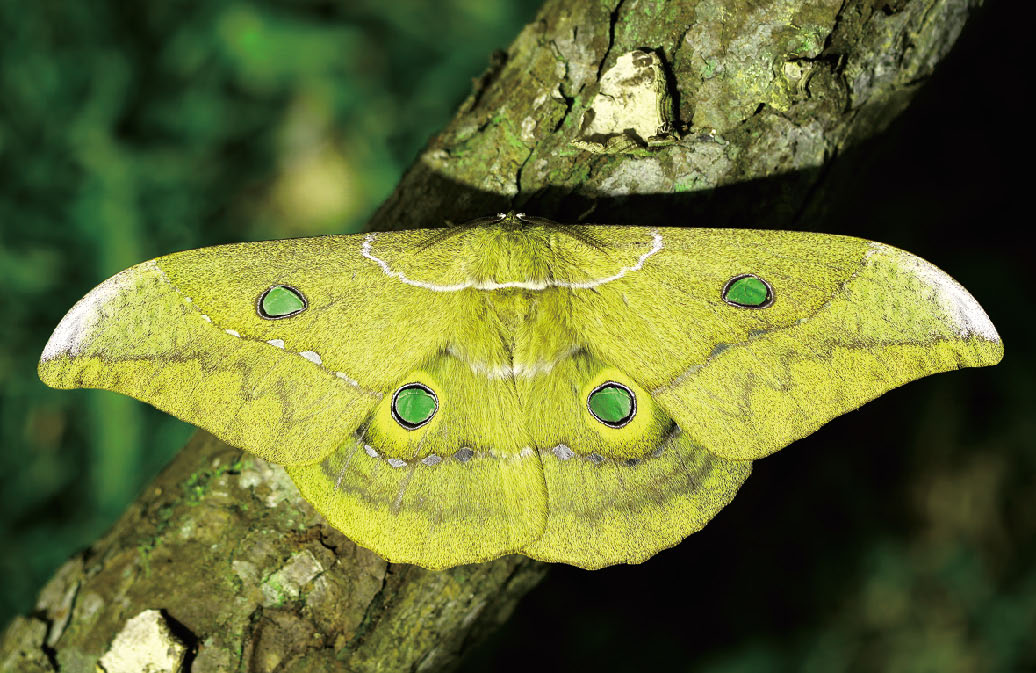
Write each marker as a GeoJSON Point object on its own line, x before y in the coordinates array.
{"type": "Point", "coordinates": [898, 538]}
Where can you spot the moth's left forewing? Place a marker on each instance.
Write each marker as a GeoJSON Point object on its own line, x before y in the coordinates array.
{"type": "Point", "coordinates": [849, 320]}
{"type": "Point", "coordinates": [186, 333]}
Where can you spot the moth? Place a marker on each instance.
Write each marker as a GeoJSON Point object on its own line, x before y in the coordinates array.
{"type": "Point", "coordinates": [580, 394]}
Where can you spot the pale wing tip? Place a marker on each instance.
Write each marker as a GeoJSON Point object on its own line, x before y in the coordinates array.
{"type": "Point", "coordinates": [75, 331]}
{"type": "Point", "coordinates": [957, 307]}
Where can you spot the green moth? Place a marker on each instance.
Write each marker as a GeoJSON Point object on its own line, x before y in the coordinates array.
{"type": "Point", "coordinates": [582, 394]}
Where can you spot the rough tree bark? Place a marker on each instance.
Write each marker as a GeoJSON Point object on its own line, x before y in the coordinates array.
{"type": "Point", "coordinates": [240, 573]}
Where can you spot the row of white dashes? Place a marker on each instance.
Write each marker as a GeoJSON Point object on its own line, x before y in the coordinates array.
{"type": "Point", "coordinates": [463, 455]}
{"type": "Point", "coordinates": [312, 356]}
{"type": "Point", "coordinates": [561, 451]}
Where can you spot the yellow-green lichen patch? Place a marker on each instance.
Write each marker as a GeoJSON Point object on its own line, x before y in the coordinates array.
{"type": "Point", "coordinates": [737, 54]}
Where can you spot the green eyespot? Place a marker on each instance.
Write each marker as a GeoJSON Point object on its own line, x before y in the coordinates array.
{"type": "Point", "coordinates": [281, 301]}
{"type": "Point", "coordinates": [413, 405]}
{"type": "Point", "coordinates": [612, 404]}
{"type": "Point", "coordinates": [748, 291]}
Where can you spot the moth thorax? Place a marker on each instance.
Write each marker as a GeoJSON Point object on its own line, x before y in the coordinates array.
{"type": "Point", "coordinates": [517, 256]}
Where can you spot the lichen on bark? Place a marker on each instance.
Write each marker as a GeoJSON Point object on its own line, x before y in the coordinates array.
{"type": "Point", "coordinates": [766, 95]}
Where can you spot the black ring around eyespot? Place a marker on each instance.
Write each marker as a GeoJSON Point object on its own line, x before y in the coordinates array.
{"type": "Point", "coordinates": [633, 406]}
{"type": "Point", "coordinates": [264, 315]}
{"type": "Point", "coordinates": [769, 291]}
{"type": "Point", "coordinates": [406, 424]}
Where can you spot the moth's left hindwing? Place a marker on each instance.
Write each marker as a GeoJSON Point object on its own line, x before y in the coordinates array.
{"type": "Point", "coordinates": [588, 395]}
